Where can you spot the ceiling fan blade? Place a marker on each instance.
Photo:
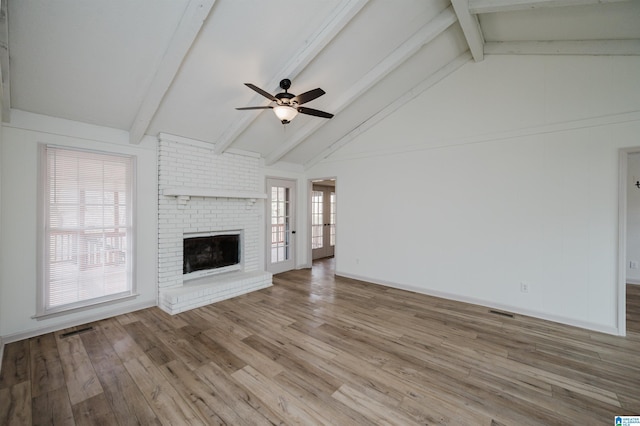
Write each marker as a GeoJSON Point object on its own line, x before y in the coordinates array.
{"type": "Point", "coordinates": [262, 92]}
{"type": "Point", "coordinates": [308, 96]}
{"type": "Point", "coordinates": [314, 112]}
{"type": "Point", "coordinates": [256, 107]}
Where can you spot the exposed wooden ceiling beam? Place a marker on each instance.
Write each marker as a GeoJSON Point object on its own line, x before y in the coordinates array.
{"type": "Point", "coordinates": [339, 18]}
{"type": "Point", "coordinates": [188, 28]}
{"type": "Point", "coordinates": [576, 47]}
{"type": "Point", "coordinates": [5, 82]}
{"type": "Point", "coordinates": [423, 36]}
{"type": "Point", "coordinates": [489, 6]}
{"type": "Point", "coordinates": [471, 28]}
{"type": "Point", "coordinates": [427, 83]}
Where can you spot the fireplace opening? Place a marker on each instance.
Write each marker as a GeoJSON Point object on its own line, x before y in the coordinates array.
{"type": "Point", "coordinates": [211, 253]}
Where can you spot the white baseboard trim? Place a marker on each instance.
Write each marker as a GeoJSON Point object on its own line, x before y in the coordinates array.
{"type": "Point", "coordinates": [635, 281]}
{"type": "Point", "coordinates": [471, 300]}
{"type": "Point", "coordinates": [72, 323]}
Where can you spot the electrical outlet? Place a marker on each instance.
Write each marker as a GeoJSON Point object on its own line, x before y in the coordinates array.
{"type": "Point", "coordinates": [524, 287]}
{"type": "Point", "coordinates": [633, 264]}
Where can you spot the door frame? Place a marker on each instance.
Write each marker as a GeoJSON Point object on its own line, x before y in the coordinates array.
{"type": "Point", "coordinates": [327, 250]}
{"type": "Point", "coordinates": [269, 181]}
{"type": "Point", "coordinates": [310, 183]}
{"type": "Point", "coordinates": [623, 182]}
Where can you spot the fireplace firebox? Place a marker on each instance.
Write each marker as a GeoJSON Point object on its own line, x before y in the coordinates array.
{"type": "Point", "coordinates": [211, 253]}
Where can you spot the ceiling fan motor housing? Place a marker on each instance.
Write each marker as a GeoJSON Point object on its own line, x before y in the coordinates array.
{"type": "Point", "coordinates": [284, 97]}
{"type": "Point", "coordinates": [285, 84]}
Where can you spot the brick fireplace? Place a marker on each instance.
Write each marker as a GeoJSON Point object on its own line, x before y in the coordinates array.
{"type": "Point", "coordinates": [201, 192]}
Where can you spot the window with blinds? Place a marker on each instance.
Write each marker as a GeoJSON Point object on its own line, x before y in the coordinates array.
{"type": "Point", "coordinates": [88, 235]}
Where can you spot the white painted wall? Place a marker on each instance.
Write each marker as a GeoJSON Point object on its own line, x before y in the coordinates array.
{"type": "Point", "coordinates": [19, 161]}
{"type": "Point", "coordinates": [504, 173]}
{"type": "Point", "coordinates": [633, 218]}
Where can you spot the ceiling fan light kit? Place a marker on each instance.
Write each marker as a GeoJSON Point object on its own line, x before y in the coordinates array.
{"type": "Point", "coordinates": [287, 104]}
{"type": "Point", "coordinates": [285, 113]}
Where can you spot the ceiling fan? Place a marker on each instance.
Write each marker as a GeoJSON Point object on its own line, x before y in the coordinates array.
{"type": "Point", "coordinates": [287, 104]}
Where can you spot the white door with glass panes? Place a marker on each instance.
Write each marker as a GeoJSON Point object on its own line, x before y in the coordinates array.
{"type": "Point", "coordinates": [280, 225]}
{"type": "Point", "coordinates": [323, 221]}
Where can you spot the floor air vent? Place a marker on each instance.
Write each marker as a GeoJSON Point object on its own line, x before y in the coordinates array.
{"type": "Point", "coordinates": [504, 314]}
{"type": "Point", "coordinates": [78, 331]}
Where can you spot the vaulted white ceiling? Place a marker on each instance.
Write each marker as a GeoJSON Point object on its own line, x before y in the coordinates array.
{"type": "Point", "coordinates": [178, 66]}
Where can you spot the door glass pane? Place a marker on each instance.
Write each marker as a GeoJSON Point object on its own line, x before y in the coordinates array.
{"type": "Point", "coordinates": [280, 235]}
{"type": "Point", "coordinates": [332, 219]}
{"type": "Point", "coordinates": [316, 219]}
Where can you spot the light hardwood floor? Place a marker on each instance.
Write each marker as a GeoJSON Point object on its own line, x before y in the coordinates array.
{"type": "Point", "coordinates": [317, 350]}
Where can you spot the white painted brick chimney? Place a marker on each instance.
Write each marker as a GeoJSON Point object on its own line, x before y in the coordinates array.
{"type": "Point", "coordinates": [189, 164]}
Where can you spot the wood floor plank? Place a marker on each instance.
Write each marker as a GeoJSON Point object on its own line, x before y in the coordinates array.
{"type": "Point", "coordinates": [574, 380]}
{"type": "Point", "coordinates": [236, 397]}
{"type": "Point", "coordinates": [368, 379]}
{"type": "Point", "coordinates": [372, 408]}
{"type": "Point", "coordinates": [189, 349]}
{"type": "Point", "coordinates": [150, 343]}
{"type": "Point", "coordinates": [246, 353]}
{"type": "Point", "coordinates": [291, 409]}
{"type": "Point", "coordinates": [167, 320]}
{"type": "Point", "coordinates": [80, 377]}
{"type": "Point", "coordinates": [15, 405]}
{"type": "Point", "coordinates": [211, 408]}
{"type": "Point", "coordinates": [125, 399]}
{"type": "Point", "coordinates": [167, 403]}
{"type": "Point", "coordinates": [15, 364]}
{"type": "Point", "coordinates": [53, 408]}
{"type": "Point", "coordinates": [121, 341]}
{"type": "Point", "coordinates": [265, 315]}
{"type": "Point", "coordinates": [433, 408]}
{"type": "Point", "coordinates": [303, 346]}
{"type": "Point", "coordinates": [218, 353]}
{"type": "Point", "coordinates": [293, 364]}
{"type": "Point", "coordinates": [125, 319]}
{"type": "Point", "coordinates": [216, 320]}
{"type": "Point", "coordinates": [46, 369]}
{"type": "Point", "coordinates": [93, 411]}
{"type": "Point", "coordinates": [305, 389]}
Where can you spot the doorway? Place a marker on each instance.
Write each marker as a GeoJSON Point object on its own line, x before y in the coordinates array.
{"type": "Point", "coordinates": [280, 232]}
{"type": "Point", "coordinates": [629, 240]}
{"type": "Point", "coordinates": [323, 218]}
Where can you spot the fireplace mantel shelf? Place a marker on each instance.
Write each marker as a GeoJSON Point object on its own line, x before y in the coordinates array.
{"type": "Point", "coordinates": [183, 194]}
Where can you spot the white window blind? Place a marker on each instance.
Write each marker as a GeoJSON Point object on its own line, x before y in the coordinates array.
{"type": "Point", "coordinates": [88, 231]}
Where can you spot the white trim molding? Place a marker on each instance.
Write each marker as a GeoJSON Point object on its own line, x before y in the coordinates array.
{"type": "Point", "coordinates": [188, 29]}
{"type": "Point", "coordinates": [76, 322]}
{"type": "Point", "coordinates": [488, 304]}
{"type": "Point", "coordinates": [621, 307]}
{"type": "Point", "coordinates": [490, 6]}
{"type": "Point", "coordinates": [470, 28]}
{"type": "Point", "coordinates": [210, 193]}
{"type": "Point", "coordinates": [564, 47]}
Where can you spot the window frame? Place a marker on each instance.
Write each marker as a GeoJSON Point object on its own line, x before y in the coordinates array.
{"type": "Point", "coordinates": [42, 311]}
